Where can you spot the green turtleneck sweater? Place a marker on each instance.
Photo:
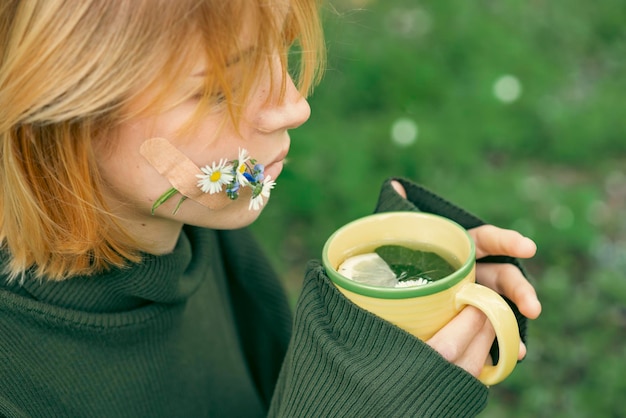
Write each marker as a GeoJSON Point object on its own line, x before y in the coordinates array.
{"type": "Point", "coordinates": [206, 332]}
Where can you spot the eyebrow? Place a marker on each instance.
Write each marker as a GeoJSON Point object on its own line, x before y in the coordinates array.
{"type": "Point", "coordinates": [236, 58]}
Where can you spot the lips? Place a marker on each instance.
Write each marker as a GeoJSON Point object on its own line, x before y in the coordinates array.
{"type": "Point", "coordinates": [274, 168]}
{"type": "Point", "coordinates": [281, 156]}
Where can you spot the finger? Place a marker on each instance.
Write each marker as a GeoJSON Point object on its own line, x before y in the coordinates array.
{"type": "Point", "coordinates": [489, 360]}
{"type": "Point", "coordinates": [491, 240]}
{"type": "Point", "coordinates": [399, 188]}
{"type": "Point", "coordinates": [477, 353]}
{"type": "Point", "coordinates": [522, 351]}
{"type": "Point", "coordinates": [453, 339]}
{"type": "Point", "coordinates": [480, 348]}
{"type": "Point", "coordinates": [506, 279]}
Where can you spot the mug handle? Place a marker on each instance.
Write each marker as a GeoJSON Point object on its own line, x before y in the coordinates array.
{"type": "Point", "coordinates": [504, 323]}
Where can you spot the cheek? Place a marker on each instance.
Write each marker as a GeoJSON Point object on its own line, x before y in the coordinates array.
{"type": "Point", "coordinates": [127, 175]}
{"type": "Point", "coordinates": [208, 142]}
{"type": "Point", "coordinates": [127, 181]}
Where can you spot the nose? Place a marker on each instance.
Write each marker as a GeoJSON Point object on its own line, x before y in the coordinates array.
{"type": "Point", "coordinates": [289, 113]}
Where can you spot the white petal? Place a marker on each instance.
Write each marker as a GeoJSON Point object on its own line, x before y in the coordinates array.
{"type": "Point", "coordinates": [256, 203]}
{"type": "Point", "coordinates": [214, 187]}
{"type": "Point", "coordinates": [268, 185]}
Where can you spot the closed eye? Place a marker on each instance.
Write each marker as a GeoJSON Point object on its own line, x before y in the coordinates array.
{"type": "Point", "coordinates": [214, 99]}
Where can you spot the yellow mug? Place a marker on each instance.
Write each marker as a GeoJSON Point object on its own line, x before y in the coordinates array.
{"type": "Point", "coordinates": [424, 309]}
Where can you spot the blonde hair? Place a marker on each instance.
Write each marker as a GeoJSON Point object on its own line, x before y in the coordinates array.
{"type": "Point", "coordinates": [67, 71]}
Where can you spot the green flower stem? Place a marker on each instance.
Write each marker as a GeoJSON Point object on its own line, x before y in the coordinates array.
{"type": "Point", "coordinates": [164, 197]}
{"type": "Point", "coordinates": [180, 202]}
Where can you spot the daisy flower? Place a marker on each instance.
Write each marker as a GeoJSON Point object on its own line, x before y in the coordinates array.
{"type": "Point", "coordinates": [260, 191]}
{"type": "Point", "coordinates": [268, 185]}
{"type": "Point", "coordinates": [242, 167]}
{"type": "Point", "coordinates": [215, 176]}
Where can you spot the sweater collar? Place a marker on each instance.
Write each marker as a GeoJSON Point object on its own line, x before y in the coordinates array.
{"type": "Point", "coordinates": [165, 279]}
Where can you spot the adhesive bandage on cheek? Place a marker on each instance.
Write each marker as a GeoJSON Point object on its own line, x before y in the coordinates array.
{"type": "Point", "coordinates": [214, 185]}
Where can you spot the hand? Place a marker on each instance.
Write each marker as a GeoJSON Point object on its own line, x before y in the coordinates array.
{"type": "Point", "coordinates": [467, 339]}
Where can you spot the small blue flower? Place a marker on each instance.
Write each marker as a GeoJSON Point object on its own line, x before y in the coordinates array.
{"type": "Point", "coordinates": [249, 177]}
{"type": "Point", "coordinates": [233, 190]}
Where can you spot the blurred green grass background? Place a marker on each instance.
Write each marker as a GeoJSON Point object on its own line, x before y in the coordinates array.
{"type": "Point", "coordinates": [512, 110]}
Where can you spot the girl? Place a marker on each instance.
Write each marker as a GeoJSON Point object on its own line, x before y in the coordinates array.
{"type": "Point", "coordinates": [138, 139]}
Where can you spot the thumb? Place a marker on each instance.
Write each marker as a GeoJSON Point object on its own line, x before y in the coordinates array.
{"type": "Point", "coordinates": [398, 188]}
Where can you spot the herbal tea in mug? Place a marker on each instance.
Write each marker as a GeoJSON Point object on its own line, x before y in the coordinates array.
{"type": "Point", "coordinates": [399, 265]}
{"type": "Point", "coordinates": [417, 271]}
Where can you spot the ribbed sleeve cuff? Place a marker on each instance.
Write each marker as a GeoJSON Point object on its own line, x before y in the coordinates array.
{"type": "Point", "coordinates": [421, 199]}
{"type": "Point", "coordinates": [346, 362]}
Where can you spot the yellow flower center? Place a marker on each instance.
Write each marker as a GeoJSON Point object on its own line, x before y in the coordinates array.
{"type": "Point", "coordinates": [242, 168]}
{"type": "Point", "coordinates": [215, 176]}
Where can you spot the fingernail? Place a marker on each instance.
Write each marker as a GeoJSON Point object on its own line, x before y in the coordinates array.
{"type": "Point", "coordinates": [535, 307]}
{"type": "Point", "coordinates": [530, 243]}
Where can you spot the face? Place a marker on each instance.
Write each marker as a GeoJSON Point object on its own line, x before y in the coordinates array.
{"type": "Point", "coordinates": [133, 184]}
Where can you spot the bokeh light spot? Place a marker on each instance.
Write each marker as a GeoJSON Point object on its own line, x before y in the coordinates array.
{"type": "Point", "coordinates": [561, 217]}
{"type": "Point", "coordinates": [404, 132]}
{"type": "Point", "coordinates": [532, 187]}
{"type": "Point", "coordinates": [615, 183]}
{"type": "Point", "coordinates": [507, 89]}
{"type": "Point", "coordinates": [524, 226]}
{"type": "Point", "coordinates": [598, 212]}
{"type": "Point", "coordinates": [409, 23]}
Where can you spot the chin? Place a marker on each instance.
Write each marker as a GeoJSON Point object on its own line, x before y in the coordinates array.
{"type": "Point", "coordinates": [233, 216]}
{"type": "Point", "coordinates": [237, 223]}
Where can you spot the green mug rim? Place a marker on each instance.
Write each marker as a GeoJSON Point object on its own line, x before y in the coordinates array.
{"type": "Point", "coordinates": [404, 292]}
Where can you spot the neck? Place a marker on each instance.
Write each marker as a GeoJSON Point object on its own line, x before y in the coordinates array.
{"type": "Point", "coordinates": [155, 235]}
